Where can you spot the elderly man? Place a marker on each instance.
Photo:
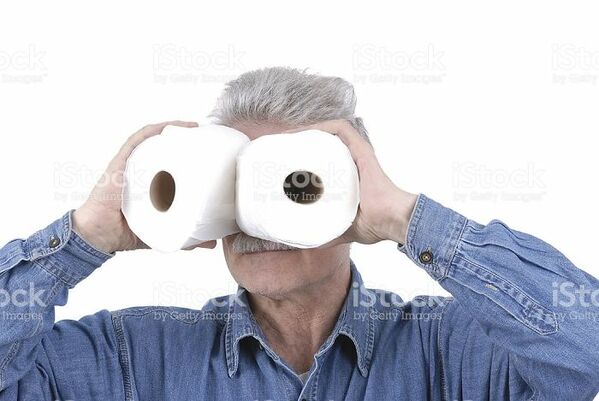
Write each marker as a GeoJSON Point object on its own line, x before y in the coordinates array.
{"type": "Point", "coordinates": [521, 325]}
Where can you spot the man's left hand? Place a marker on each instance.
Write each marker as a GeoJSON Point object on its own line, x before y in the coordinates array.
{"type": "Point", "coordinates": [385, 209]}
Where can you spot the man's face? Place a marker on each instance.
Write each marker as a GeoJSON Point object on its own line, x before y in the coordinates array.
{"type": "Point", "coordinates": [272, 269]}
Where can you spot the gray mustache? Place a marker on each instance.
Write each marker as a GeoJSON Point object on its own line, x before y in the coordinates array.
{"type": "Point", "coordinates": [244, 243]}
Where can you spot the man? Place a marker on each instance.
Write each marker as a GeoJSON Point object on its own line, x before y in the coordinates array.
{"type": "Point", "coordinates": [302, 326]}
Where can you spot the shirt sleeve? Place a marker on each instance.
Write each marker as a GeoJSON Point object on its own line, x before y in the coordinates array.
{"type": "Point", "coordinates": [522, 293]}
{"type": "Point", "coordinates": [41, 360]}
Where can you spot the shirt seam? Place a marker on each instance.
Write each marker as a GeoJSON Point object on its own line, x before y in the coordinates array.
{"type": "Point", "coordinates": [533, 302]}
{"type": "Point", "coordinates": [123, 356]}
{"type": "Point", "coordinates": [64, 276]}
{"type": "Point", "coordinates": [444, 389]}
{"type": "Point", "coordinates": [458, 241]}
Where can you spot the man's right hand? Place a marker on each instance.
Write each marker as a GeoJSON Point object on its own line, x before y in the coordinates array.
{"type": "Point", "coordinates": [100, 220]}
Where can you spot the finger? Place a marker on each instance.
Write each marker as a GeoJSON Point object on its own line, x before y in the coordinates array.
{"type": "Point", "coordinates": [153, 129]}
{"type": "Point", "coordinates": [186, 124]}
{"type": "Point", "coordinates": [207, 244]}
{"type": "Point", "coordinates": [358, 146]}
{"type": "Point", "coordinates": [342, 128]}
{"type": "Point", "coordinates": [346, 238]}
{"type": "Point", "coordinates": [348, 135]}
{"type": "Point", "coordinates": [298, 129]}
{"type": "Point", "coordinates": [336, 241]}
{"type": "Point", "coordinates": [145, 133]}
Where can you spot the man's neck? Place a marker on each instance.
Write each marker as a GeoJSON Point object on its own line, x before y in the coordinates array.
{"type": "Point", "coordinates": [297, 325]}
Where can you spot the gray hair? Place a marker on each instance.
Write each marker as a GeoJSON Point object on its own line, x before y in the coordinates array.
{"type": "Point", "coordinates": [287, 95]}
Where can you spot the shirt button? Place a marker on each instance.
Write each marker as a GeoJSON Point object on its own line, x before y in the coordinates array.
{"type": "Point", "coordinates": [54, 242]}
{"type": "Point", "coordinates": [426, 257]}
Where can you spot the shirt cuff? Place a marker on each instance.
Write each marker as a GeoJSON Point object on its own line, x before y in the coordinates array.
{"type": "Point", "coordinates": [433, 234]}
{"type": "Point", "coordinates": [62, 252]}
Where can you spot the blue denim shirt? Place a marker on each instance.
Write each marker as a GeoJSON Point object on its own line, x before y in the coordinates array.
{"type": "Point", "coordinates": [515, 329]}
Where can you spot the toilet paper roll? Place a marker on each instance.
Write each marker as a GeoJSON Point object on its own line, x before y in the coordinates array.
{"type": "Point", "coordinates": [179, 186]}
{"type": "Point", "coordinates": [300, 189]}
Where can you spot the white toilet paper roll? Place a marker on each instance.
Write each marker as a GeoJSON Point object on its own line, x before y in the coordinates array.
{"type": "Point", "coordinates": [179, 186]}
{"type": "Point", "coordinates": [300, 189]}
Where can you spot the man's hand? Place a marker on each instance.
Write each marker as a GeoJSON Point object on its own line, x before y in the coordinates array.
{"type": "Point", "coordinates": [384, 210]}
{"type": "Point", "coordinates": [100, 220]}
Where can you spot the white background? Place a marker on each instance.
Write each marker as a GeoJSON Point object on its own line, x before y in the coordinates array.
{"type": "Point", "coordinates": [489, 108]}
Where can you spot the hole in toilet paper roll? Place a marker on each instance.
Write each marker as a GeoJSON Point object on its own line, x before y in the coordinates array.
{"type": "Point", "coordinates": [162, 191]}
{"type": "Point", "coordinates": [303, 187]}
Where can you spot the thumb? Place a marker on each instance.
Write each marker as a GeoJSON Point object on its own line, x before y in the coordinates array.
{"type": "Point", "coordinates": [207, 244]}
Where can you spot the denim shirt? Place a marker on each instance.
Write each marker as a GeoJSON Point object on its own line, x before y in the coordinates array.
{"type": "Point", "coordinates": [522, 324]}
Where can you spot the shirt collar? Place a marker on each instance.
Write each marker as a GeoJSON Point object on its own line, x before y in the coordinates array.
{"type": "Point", "coordinates": [355, 321]}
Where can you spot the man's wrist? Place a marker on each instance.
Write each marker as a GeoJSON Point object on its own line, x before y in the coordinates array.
{"type": "Point", "coordinates": [91, 230]}
{"type": "Point", "coordinates": [400, 212]}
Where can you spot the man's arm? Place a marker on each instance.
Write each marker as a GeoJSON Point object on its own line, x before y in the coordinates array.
{"type": "Point", "coordinates": [523, 294]}
{"type": "Point", "coordinates": [71, 359]}
{"type": "Point", "coordinates": [509, 282]}
{"type": "Point", "coordinates": [39, 359]}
